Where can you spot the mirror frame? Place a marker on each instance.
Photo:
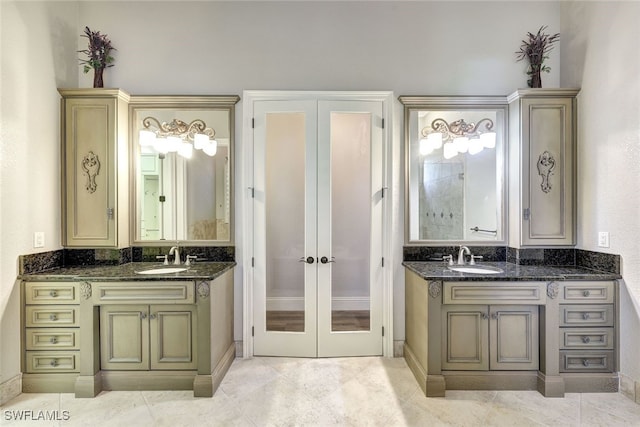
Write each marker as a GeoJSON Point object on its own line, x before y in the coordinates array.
{"type": "Point", "coordinates": [443, 103]}
{"type": "Point", "coordinates": [180, 102]}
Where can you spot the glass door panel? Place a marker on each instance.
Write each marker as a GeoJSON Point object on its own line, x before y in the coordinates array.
{"type": "Point", "coordinates": [350, 220]}
{"type": "Point", "coordinates": [284, 209]}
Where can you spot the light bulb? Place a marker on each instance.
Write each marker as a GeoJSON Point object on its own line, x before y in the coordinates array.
{"type": "Point", "coordinates": [146, 138]}
{"type": "Point", "coordinates": [161, 145]}
{"type": "Point", "coordinates": [425, 147]}
{"type": "Point", "coordinates": [475, 146]}
{"type": "Point", "coordinates": [211, 148]}
{"type": "Point", "coordinates": [461, 143]}
{"type": "Point", "coordinates": [200, 140]}
{"type": "Point", "coordinates": [173, 143]}
{"type": "Point", "coordinates": [488, 139]}
{"type": "Point", "coordinates": [435, 140]}
{"type": "Point", "coordinates": [450, 150]}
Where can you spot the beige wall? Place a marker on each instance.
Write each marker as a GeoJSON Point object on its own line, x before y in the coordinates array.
{"type": "Point", "coordinates": [601, 54]}
{"type": "Point", "coordinates": [411, 48]}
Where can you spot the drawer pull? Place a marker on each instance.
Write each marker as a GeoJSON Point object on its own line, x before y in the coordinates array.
{"type": "Point", "coordinates": [53, 293]}
{"type": "Point", "coordinates": [585, 362]}
{"type": "Point", "coordinates": [586, 340]}
{"type": "Point", "coordinates": [53, 317]}
{"type": "Point", "coordinates": [586, 293]}
{"type": "Point", "coordinates": [585, 316]}
{"type": "Point", "coordinates": [54, 363]}
{"type": "Point", "coordinates": [53, 340]}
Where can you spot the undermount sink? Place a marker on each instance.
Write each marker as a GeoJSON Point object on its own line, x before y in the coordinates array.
{"type": "Point", "coordinates": [474, 269]}
{"type": "Point", "coordinates": [162, 270]}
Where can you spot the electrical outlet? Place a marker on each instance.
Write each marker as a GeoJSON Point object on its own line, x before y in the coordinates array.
{"type": "Point", "coordinates": [38, 239]}
{"type": "Point", "coordinates": [603, 239]}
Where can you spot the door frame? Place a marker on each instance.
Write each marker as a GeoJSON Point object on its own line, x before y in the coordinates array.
{"type": "Point", "coordinates": [249, 97]}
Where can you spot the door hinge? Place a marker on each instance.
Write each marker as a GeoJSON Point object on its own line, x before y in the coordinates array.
{"type": "Point", "coordinates": [383, 123]}
{"type": "Point", "coordinates": [109, 213]}
{"type": "Point", "coordinates": [253, 262]}
{"type": "Point", "coordinates": [526, 213]}
{"type": "Point", "coordinates": [384, 190]}
{"type": "Point", "coordinates": [253, 192]}
{"type": "Point", "coordinates": [253, 123]}
{"type": "Point", "coordinates": [383, 331]}
{"type": "Point", "coordinates": [252, 331]}
{"type": "Point", "coordinates": [383, 261]}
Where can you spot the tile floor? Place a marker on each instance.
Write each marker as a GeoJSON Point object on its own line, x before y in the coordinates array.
{"type": "Point", "coordinates": [368, 391]}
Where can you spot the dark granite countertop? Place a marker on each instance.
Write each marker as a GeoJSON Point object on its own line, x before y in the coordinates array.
{"type": "Point", "coordinates": [197, 271]}
{"type": "Point", "coordinates": [512, 272]}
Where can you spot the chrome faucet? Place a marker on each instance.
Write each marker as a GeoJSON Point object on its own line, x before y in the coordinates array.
{"type": "Point", "coordinates": [463, 250]}
{"type": "Point", "coordinates": [176, 251]}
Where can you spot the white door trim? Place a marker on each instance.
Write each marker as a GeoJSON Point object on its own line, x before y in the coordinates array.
{"type": "Point", "coordinates": [248, 99]}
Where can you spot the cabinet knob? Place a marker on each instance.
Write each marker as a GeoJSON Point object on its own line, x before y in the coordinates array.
{"type": "Point", "coordinates": [152, 316]}
{"type": "Point", "coordinates": [586, 340]}
{"type": "Point", "coordinates": [53, 317]}
{"type": "Point", "coordinates": [585, 316]}
{"type": "Point", "coordinates": [585, 362]}
{"type": "Point", "coordinates": [484, 315]}
{"type": "Point", "coordinates": [53, 293]}
{"type": "Point", "coordinates": [54, 362]}
{"type": "Point", "coordinates": [586, 293]}
{"type": "Point", "coordinates": [53, 340]}
{"type": "Point", "coordinates": [143, 316]}
{"type": "Point", "coordinates": [494, 316]}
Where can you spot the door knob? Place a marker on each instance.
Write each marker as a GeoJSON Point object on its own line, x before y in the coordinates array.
{"type": "Point", "coordinates": [326, 260]}
{"type": "Point", "coordinates": [308, 260]}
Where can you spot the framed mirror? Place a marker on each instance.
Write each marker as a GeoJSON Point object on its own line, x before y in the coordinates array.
{"type": "Point", "coordinates": [456, 170]}
{"type": "Point", "coordinates": [182, 157]}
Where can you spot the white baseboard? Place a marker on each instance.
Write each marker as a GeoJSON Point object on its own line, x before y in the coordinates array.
{"type": "Point", "coordinates": [297, 303]}
{"type": "Point", "coordinates": [10, 389]}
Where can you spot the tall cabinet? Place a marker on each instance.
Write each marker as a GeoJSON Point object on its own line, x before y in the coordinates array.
{"type": "Point", "coordinates": [542, 144]}
{"type": "Point", "coordinates": [95, 168]}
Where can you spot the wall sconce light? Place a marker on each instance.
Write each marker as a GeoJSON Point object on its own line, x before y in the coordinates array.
{"type": "Point", "coordinates": [457, 137]}
{"type": "Point", "coordinates": [178, 136]}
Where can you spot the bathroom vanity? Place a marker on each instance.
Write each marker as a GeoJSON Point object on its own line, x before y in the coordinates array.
{"type": "Point", "coordinates": [88, 329]}
{"type": "Point", "coordinates": [551, 329]}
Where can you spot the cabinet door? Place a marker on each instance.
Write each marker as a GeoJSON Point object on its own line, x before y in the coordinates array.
{"type": "Point", "coordinates": [465, 338]}
{"type": "Point", "coordinates": [173, 328]}
{"type": "Point", "coordinates": [513, 337]}
{"type": "Point", "coordinates": [547, 168]}
{"type": "Point", "coordinates": [124, 337]}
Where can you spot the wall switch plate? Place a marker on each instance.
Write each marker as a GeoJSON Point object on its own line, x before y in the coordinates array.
{"type": "Point", "coordinates": [38, 239]}
{"type": "Point", "coordinates": [603, 239]}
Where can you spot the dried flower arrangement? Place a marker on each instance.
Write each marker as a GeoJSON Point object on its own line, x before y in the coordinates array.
{"type": "Point", "coordinates": [536, 49]}
{"type": "Point", "coordinates": [98, 53]}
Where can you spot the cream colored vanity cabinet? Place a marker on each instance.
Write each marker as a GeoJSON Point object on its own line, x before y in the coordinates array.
{"type": "Point", "coordinates": [95, 171]}
{"type": "Point", "coordinates": [148, 337]}
{"type": "Point", "coordinates": [499, 337]}
{"type": "Point", "coordinates": [51, 336]}
{"type": "Point", "coordinates": [542, 144]}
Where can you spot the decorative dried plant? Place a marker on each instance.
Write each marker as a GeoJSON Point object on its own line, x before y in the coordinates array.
{"type": "Point", "coordinates": [98, 54]}
{"type": "Point", "coordinates": [536, 49]}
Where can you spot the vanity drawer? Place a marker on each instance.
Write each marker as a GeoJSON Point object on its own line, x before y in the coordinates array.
{"type": "Point", "coordinates": [51, 315]}
{"type": "Point", "coordinates": [494, 293]}
{"type": "Point", "coordinates": [51, 293]}
{"type": "Point", "coordinates": [52, 339]}
{"type": "Point", "coordinates": [586, 315]}
{"type": "Point", "coordinates": [151, 292]}
{"type": "Point", "coordinates": [583, 338]}
{"type": "Point", "coordinates": [586, 361]}
{"type": "Point", "coordinates": [587, 293]}
{"type": "Point", "coordinates": [51, 361]}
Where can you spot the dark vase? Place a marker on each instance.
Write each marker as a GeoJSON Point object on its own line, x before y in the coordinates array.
{"type": "Point", "coordinates": [97, 77]}
{"type": "Point", "coordinates": [536, 80]}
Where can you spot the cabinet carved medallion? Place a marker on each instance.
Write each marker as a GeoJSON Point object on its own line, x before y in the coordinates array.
{"type": "Point", "coordinates": [85, 290]}
{"type": "Point", "coordinates": [552, 290]}
{"type": "Point", "coordinates": [546, 165]}
{"type": "Point", "coordinates": [91, 168]}
{"type": "Point", "coordinates": [435, 289]}
{"type": "Point", "coordinates": [203, 290]}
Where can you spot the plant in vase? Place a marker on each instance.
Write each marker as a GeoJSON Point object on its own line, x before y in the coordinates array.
{"type": "Point", "coordinates": [536, 49]}
{"type": "Point", "coordinates": [98, 55]}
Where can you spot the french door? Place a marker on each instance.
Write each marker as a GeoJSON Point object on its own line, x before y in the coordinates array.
{"type": "Point", "coordinates": [318, 228]}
